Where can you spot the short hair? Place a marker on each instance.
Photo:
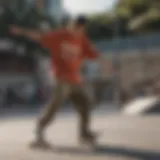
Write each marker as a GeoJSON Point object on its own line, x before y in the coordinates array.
{"type": "Point", "coordinates": [81, 20]}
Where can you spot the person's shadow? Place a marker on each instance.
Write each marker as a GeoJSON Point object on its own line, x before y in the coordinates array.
{"type": "Point", "coordinates": [107, 150]}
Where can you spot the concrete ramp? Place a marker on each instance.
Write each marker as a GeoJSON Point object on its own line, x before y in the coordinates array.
{"type": "Point", "coordinates": [142, 105]}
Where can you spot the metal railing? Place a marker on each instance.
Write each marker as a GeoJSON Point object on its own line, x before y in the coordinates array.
{"type": "Point", "coordinates": [129, 43]}
{"type": "Point", "coordinates": [138, 60]}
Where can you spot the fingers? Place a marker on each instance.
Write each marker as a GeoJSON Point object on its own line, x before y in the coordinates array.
{"type": "Point", "coordinates": [15, 30]}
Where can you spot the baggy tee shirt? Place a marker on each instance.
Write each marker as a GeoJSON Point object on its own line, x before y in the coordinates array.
{"type": "Point", "coordinates": [67, 53]}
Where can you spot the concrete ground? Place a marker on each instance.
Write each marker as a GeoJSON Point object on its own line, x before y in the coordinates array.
{"type": "Point", "coordinates": [120, 138]}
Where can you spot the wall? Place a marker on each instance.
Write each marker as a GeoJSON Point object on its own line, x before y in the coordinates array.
{"type": "Point", "coordinates": [7, 79]}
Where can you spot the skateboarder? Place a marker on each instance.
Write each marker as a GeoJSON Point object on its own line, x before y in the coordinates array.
{"type": "Point", "coordinates": [68, 48]}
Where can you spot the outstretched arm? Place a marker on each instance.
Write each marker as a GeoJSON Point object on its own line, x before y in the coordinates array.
{"type": "Point", "coordinates": [45, 39]}
{"type": "Point", "coordinates": [34, 35]}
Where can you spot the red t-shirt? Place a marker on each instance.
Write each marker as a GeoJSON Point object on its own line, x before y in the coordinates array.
{"type": "Point", "coordinates": [67, 52]}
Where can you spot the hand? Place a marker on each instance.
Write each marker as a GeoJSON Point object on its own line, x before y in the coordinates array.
{"type": "Point", "coordinates": [16, 30]}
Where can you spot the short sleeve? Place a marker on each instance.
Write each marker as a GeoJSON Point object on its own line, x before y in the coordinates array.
{"type": "Point", "coordinates": [49, 39]}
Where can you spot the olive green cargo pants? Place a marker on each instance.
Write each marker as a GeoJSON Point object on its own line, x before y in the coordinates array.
{"type": "Point", "coordinates": [79, 98]}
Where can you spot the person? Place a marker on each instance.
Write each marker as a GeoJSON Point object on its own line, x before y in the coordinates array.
{"type": "Point", "coordinates": [68, 48]}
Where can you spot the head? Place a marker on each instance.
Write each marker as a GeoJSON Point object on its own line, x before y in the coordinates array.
{"type": "Point", "coordinates": [79, 25]}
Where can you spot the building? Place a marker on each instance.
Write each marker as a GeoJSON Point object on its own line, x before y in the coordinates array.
{"type": "Point", "coordinates": [54, 8]}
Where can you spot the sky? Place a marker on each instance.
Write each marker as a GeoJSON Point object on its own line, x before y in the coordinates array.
{"type": "Point", "coordinates": [87, 6]}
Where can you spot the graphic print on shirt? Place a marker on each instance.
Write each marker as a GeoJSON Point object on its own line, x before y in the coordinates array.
{"type": "Point", "coordinates": [70, 51]}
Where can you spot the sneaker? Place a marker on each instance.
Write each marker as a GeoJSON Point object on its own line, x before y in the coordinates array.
{"type": "Point", "coordinates": [42, 144]}
{"type": "Point", "coordinates": [88, 139]}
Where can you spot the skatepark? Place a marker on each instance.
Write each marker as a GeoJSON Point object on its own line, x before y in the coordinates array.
{"type": "Point", "coordinates": [121, 136]}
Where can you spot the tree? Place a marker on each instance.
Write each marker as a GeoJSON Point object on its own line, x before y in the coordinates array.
{"type": "Point", "coordinates": [100, 26]}
{"type": "Point", "coordinates": [7, 18]}
{"type": "Point", "coordinates": [31, 18]}
{"type": "Point", "coordinates": [142, 15]}
{"type": "Point", "coordinates": [132, 8]}
{"type": "Point", "coordinates": [148, 21]}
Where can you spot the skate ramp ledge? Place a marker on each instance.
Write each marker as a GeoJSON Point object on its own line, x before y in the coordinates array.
{"type": "Point", "coordinates": [140, 105]}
